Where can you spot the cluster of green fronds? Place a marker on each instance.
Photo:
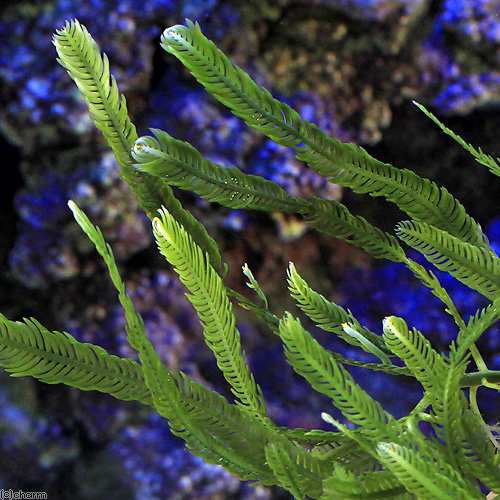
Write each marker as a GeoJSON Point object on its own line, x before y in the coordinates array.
{"type": "Point", "coordinates": [377, 456]}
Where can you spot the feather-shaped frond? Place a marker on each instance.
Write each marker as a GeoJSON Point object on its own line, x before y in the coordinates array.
{"type": "Point", "coordinates": [329, 316]}
{"type": "Point", "coordinates": [221, 424]}
{"type": "Point", "coordinates": [79, 54]}
{"type": "Point", "coordinates": [250, 444]}
{"type": "Point", "coordinates": [449, 406]}
{"type": "Point", "coordinates": [29, 349]}
{"type": "Point", "coordinates": [134, 322]}
{"type": "Point", "coordinates": [480, 156]}
{"type": "Point", "coordinates": [284, 470]}
{"type": "Point", "coordinates": [170, 404]}
{"type": "Point", "coordinates": [376, 367]}
{"type": "Point", "coordinates": [423, 477]}
{"type": "Point", "coordinates": [296, 469]}
{"type": "Point", "coordinates": [208, 295]}
{"type": "Point", "coordinates": [416, 351]}
{"type": "Point", "coordinates": [428, 450]}
{"type": "Point", "coordinates": [194, 227]}
{"type": "Point", "coordinates": [351, 166]}
{"type": "Point", "coordinates": [475, 267]}
{"type": "Point", "coordinates": [336, 448]}
{"type": "Point", "coordinates": [476, 326]}
{"type": "Point", "coordinates": [480, 453]}
{"type": "Point", "coordinates": [204, 419]}
{"type": "Point", "coordinates": [333, 218]}
{"type": "Point", "coordinates": [181, 165]}
{"type": "Point", "coordinates": [346, 164]}
{"type": "Point", "coordinates": [348, 486]}
{"type": "Point", "coordinates": [159, 380]}
{"type": "Point", "coordinates": [310, 360]}
{"type": "Point", "coordinates": [165, 387]}
{"type": "Point", "coordinates": [209, 425]}
{"type": "Point", "coordinates": [230, 85]}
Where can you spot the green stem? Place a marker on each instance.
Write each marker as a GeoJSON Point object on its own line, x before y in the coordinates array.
{"type": "Point", "coordinates": [477, 378]}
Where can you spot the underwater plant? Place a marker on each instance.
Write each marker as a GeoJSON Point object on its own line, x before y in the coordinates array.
{"type": "Point", "coordinates": [442, 449]}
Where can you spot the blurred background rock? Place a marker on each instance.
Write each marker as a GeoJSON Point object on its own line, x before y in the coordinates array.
{"type": "Point", "coordinates": [352, 67]}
